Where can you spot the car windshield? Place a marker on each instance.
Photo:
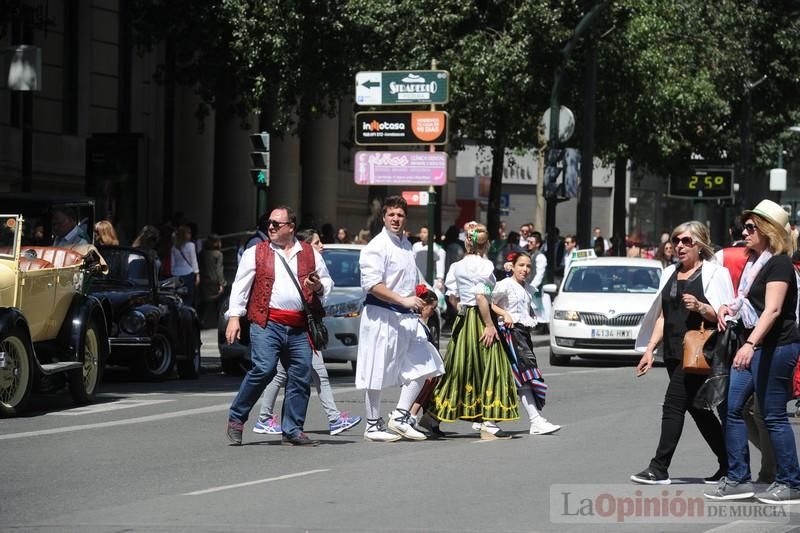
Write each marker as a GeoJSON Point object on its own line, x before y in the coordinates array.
{"type": "Point", "coordinates": [8, 234]}
{"type": "Point", "coordinates": [130, 267]}
{"type": "Point", "coordinates": [612, 279]}
{"type": "Point", "coordinates": [343, 266]}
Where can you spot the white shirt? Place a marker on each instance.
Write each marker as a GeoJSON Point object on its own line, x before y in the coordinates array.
{"type": "Point", "coordinates": [516, 299]}
{"type": "Point", "coordinates": [184, 260]}
{"type": "Point", "coordinates": [73, 238]}
{"type": "Point", "coordinates": [388, 259]}
{"type": "Point", "coordinates": [471, 276]}
{"type": "Point", "coordinates": [420, 250]}
{"type": "Point", "coordinates": [284, 293]}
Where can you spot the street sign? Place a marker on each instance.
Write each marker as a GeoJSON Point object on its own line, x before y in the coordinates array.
{"type": "Point", "coordinates": [566, 123]}
{"type": "Point", "coordinates": [402, 87]}
{"type": "Point", "coordinates": [401, 168]}
{"type": "Point", "coordinates": [401, 127]}
{"type": "Point", "coordinates": [702, 183]}
{"type": "Point", "coordinates": [416, 197]}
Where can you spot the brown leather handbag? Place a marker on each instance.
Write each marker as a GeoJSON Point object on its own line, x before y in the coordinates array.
{"type": "Point", "coordinates": [694, 361]}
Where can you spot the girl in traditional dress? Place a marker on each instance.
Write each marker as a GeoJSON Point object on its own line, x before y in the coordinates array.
{"type": "Point", "coordinates": [511, 300]}
{"type": "Point", "coordinates": [477, 385]}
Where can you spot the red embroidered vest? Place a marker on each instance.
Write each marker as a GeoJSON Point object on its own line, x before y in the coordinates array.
{"type": "Point", "coordinates": [261, 292]}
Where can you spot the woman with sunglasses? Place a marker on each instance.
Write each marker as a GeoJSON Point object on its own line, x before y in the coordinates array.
{"type": "Point", "coordinates": [766, 306]}
{"type": "Point", "coordinates": [690, 293]}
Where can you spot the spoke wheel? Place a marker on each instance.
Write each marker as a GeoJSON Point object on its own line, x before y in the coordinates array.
{"type": "Point", "coordinates": [159, 359]}
{"type": "Point", "coordinates": [83, 382]}
{"type": "Point", "coordinates": [16, 377]}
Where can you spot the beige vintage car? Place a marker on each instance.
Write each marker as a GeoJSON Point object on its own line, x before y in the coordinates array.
{"type": "Point", "coordinates": [48, 325]}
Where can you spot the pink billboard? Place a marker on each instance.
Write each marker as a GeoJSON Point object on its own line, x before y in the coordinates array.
{"type": "Point", "coordinates": [401, 168]}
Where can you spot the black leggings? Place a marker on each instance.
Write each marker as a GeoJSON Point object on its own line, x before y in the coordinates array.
{"type": "Point", "coordinates": [678, 400]}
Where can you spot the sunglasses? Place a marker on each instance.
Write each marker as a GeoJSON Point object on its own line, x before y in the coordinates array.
{"type": "Point", "coordinates": [686, 241]}
{"type": "Point", "coordinates": [750, 227]}
{"type": "Point", "coordinates": [275, 224]}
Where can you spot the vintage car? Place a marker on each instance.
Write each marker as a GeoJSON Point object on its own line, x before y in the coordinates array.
{"type": "Point", "coordinates": [50, 329]}
{"type": "Point", "coordinates": [150, 330]}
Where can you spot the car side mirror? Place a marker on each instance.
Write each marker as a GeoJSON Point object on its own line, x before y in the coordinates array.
{"type": "Point", "coordinates": [550, 288]}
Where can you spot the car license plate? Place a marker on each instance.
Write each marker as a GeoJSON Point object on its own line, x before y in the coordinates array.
{"type": "Point", "coordinates": [608, 333]}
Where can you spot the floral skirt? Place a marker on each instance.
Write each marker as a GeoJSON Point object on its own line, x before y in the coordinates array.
{"type": "Point", "coordinates": [477, 383]}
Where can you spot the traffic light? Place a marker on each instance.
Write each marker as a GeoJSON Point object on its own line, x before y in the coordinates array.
{"type": "Point", "coordinates": [260, 158]}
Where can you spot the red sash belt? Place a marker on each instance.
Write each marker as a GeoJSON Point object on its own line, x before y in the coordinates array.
{"type": "Point", "coordinates": [295, 319]}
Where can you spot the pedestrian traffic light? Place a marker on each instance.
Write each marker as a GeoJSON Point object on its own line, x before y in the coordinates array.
{"type": "Point", "coordinates": [260, 158]}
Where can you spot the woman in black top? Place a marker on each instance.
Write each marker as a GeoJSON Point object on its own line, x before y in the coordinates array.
{"type": "Point", "coordinates": [690, 292]}
{"type": "Point", "coordinates": [766, 305]}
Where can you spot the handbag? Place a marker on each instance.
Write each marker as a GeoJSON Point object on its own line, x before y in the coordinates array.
{"type": "Point", "coordinates": [316, 328]}
{"type": "Point", "coordinates": [694, 360]}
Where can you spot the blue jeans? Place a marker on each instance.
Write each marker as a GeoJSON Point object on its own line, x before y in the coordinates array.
{"type": "Point", "coordinates": [267, 346]}
{"type": "Point", "coordinates": [770, 375]}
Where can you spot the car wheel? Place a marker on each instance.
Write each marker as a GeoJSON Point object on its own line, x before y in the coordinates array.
{"type": "Point", "coordinates": [236, 366]}
{"type": "Point", "coordinates": [83, 382]}
{"type": "Point", "coordinates": [16, 375]}
{"type": "Point", "coordinates": [559, 360]}
{"type": "Point", "coordinates": [190, 368]}
{"type": "Point", "coordinates": [159, 359]}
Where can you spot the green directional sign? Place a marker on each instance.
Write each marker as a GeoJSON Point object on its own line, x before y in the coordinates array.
{"type": "Point", "coordinates": [403, 87]}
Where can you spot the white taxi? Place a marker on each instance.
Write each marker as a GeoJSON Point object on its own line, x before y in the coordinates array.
{"type": "Point", "coordinates": [600, 306]}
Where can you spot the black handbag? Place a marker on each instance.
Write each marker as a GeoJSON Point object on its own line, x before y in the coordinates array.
{"type": "Point", "coordinates": [316, 327]}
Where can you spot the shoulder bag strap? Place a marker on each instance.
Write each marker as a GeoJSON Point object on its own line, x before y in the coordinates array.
{"type": "Point", "coordinates": [294, 280]}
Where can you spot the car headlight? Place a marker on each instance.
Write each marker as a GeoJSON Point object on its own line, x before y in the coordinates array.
{"type": "Point", "coordinates": [567, 315]}
{"type": "Point", "coordinates": [349, 309]}
{"type": "Point", "coordinates": [133, 322]}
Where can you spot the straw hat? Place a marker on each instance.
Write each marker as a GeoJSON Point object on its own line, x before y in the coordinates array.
{"type": "Point", "coordinates": [769, 210]}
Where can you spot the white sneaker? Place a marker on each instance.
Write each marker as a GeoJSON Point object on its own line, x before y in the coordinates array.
{"type": "Point", "coordinates": [376, 432]}
{"type": "Point", "coordinates": [477, 426]}
{"type": "Point", "coordinates": [540, 426]}
{"type": "Point", "coordinates": [400, 423]}
{"type": "Point", "coordinates": [491, 431]}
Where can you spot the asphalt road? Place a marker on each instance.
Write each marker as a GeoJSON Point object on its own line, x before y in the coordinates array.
{"type": "Point", "coordinates": [153, 457]}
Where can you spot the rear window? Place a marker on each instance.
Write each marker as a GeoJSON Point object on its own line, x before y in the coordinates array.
{"type": "Point", "coordinates": [612, 279]}
{"type": "Point", "coordinates": [343, 267]}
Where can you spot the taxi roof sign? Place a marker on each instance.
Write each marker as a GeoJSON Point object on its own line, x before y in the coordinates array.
{"type": "Point", "coordinates": [586, 253]}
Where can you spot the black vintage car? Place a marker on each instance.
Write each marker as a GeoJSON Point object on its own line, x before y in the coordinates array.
{"type": "Point", "coordinates": [150, 329]}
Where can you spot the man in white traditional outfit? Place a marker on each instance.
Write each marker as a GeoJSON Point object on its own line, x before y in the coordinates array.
{"type": "Point", "coordinates": [393, 348]}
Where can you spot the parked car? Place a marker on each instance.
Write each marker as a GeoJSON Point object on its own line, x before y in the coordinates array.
{"type": "Point", "coordinates": [50, 329]}
{"type": "Point", "coordinates": [600, 307]}
{"type": "Point", "coordinates": [342, 314]}
{"type": "Point", "coordinates": [151, 331]}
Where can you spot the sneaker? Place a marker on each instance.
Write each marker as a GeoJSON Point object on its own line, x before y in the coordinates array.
{"type": "Point", "coordinates": [540, 426]}
{"type": "Point", "coordinates": [649, 477]}
{"type": "Point", "coordinates": [477, 426]}
{"type": "Point", "coordinates": [731, 490]}
{"type": "Point", "coordinates": [343, 423]}
{"type": "Point", "coordinates": [377, 432]}
{"type": "Point", "coordinates": [234, 432]}
{"type": "Point", "coordinates": [301, 439]}
{"type": "Point", "coordinates": [715, 477]}
{"type": "Point", "coordinates": [779, 493]}
{"type": "Point", "coordinates": [400, 423]}
{"type": "Point", "coordinates": [267, 426]}
{"type": "Point", "coordinates": [491, 431]}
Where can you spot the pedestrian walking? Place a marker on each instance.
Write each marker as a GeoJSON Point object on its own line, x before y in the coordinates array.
{"type": "Point", "coordinates": [690, 294]}
{"type": "Point", "coordinates": [183, 261]}
{"type": "Point", "coordinates": [512, 298]}
{"type": "Point", "coordinates": [265, 291]}
{"type": "Point", "coordinates": [766, 305]}
{"type": "Point", "coordinates": [392, 350]}
{"type": "Point", "coordinates": [338, 421]}
{"type": "Point", "coordinates": [212, 279]}
{"type": "Point", "coordinates": [478, 385]}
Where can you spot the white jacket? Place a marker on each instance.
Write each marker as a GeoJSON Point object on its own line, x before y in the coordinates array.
{"type": "Point", "coordinates": [717, 287]}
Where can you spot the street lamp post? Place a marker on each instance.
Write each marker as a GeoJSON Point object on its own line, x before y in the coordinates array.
{"type": "Point", "coordinates": [24, 77]}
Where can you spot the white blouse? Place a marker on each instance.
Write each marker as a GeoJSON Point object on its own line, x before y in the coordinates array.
{"type": "Point", "coordinates": [516, 299]}
{"type": "Point", "coordinates": [471, 276]}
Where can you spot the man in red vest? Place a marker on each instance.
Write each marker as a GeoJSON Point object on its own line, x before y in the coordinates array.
{"type": "Point", "coordinates": [264, 290]}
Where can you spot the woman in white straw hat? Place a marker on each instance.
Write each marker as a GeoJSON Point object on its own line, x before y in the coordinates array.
{"type": "Point", "coordinates": [766, 305]}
